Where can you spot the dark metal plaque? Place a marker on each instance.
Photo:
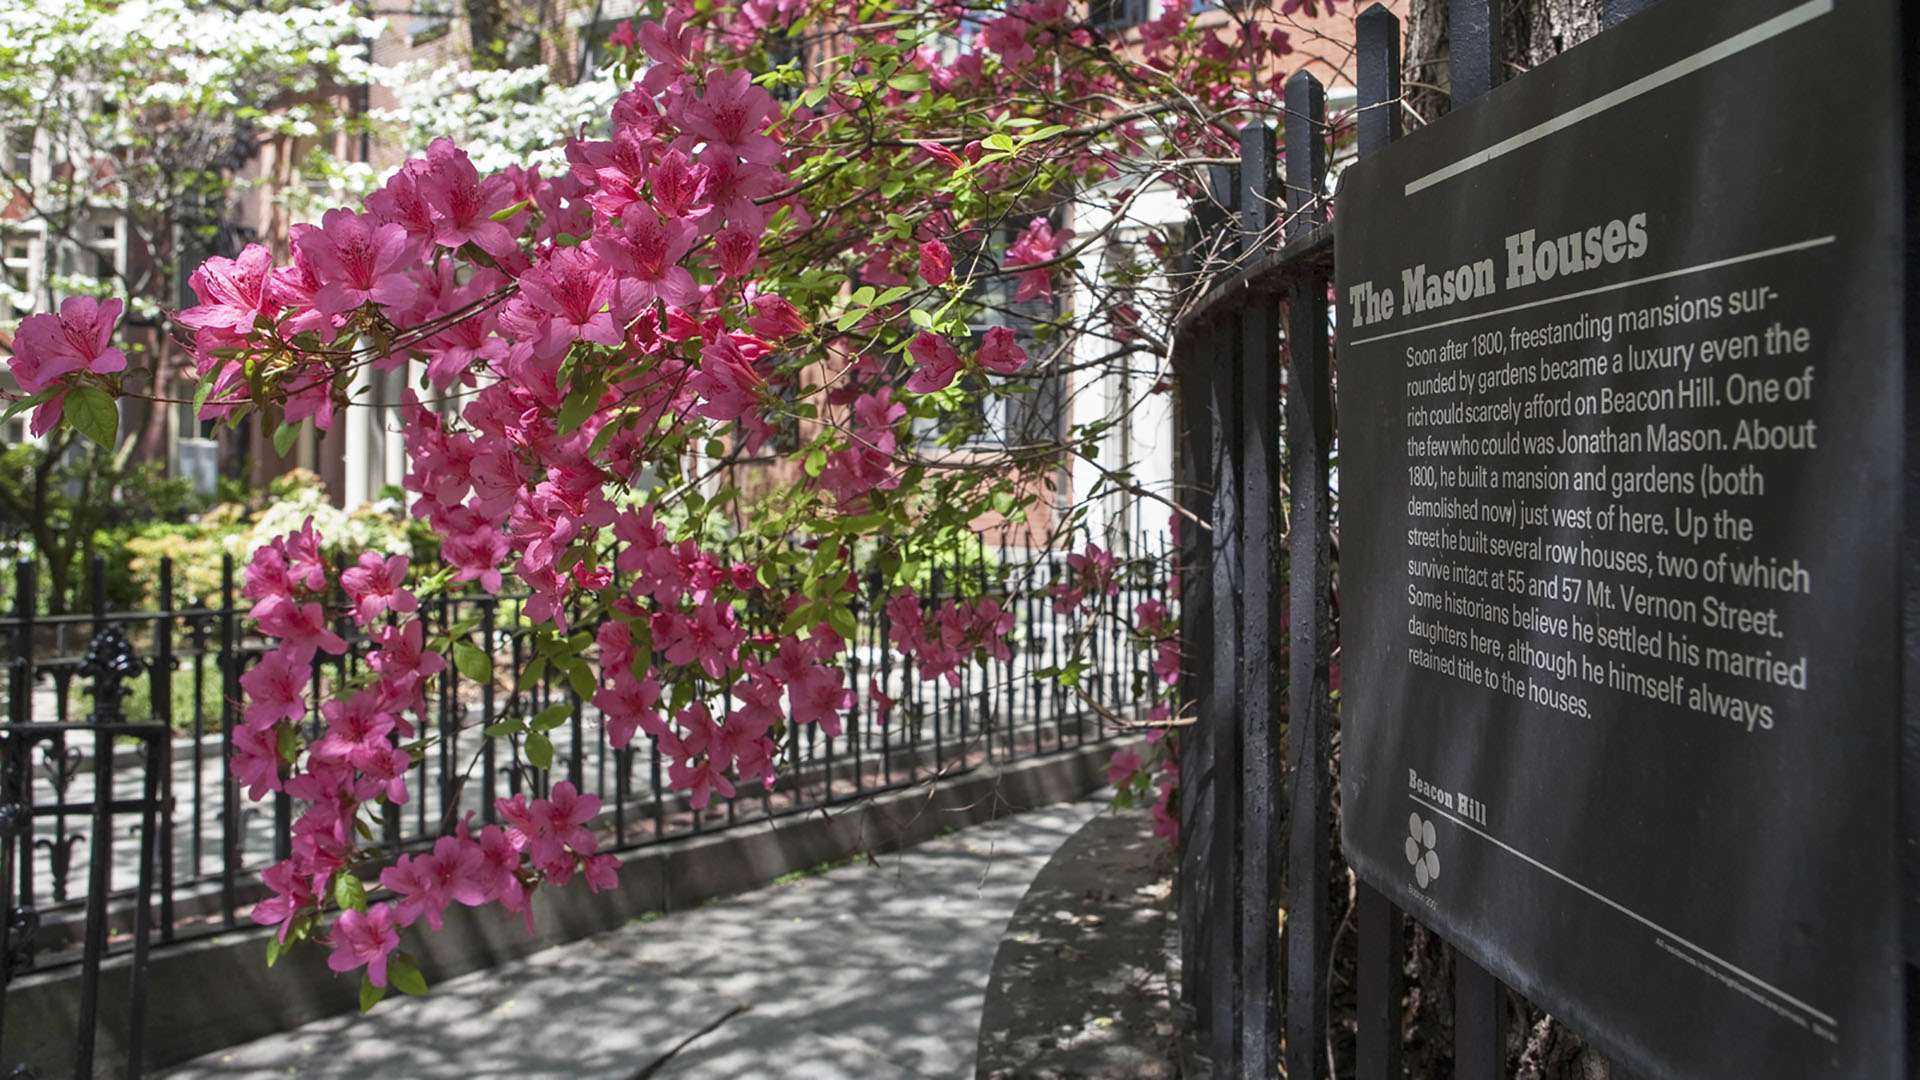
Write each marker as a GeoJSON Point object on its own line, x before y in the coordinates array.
{"type": "Point", "coordinates": [1621, 356]}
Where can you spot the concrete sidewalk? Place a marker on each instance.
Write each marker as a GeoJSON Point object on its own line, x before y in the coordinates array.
{"type": "Point", "coordinates": [869, 971]}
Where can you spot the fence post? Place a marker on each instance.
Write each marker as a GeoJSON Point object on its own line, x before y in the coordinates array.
{"type": "Point", "coordinates": [1196, 636]}
{"type": "Point", "coordinates": [1476, 50]}
{"type": "Point", "coordinates": [1377, 55]}
{"type": "Point", "coordinates": [1220, 713]}
{"type": "Point", "coordinates": [1377, 1039]}
{"type": "Point", "coordinates": [160, 757]}
{"type": "Point", "coordinates": [110, 662]}
{"type": "Point", "coordinates": [229, 787]}
{"type": "Point", "coordinates": [1260, 686]}
{"type": "Point", "coordinates": [1309, 438]}
{"type": "Point", "coordinates": [1479, 1027]}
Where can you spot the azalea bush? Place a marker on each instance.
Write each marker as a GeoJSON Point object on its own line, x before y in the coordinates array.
{"type": "Point", "coordinates": [750, 262]}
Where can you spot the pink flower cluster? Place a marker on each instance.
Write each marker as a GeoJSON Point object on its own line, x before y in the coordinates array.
{"type": "Point", "coordinates": [1090, 577]}
{"type": "Point", "coordinates": [52, 351]}
{"type": "Point", "coordinates": [961, 631]}
{"type": "Point", "coordinates": [1155, 629]}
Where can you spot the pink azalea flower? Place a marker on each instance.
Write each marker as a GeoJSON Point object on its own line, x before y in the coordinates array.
{"type": "Point", "coordinates": [942, 155]}
{"type": "Point", "coordinates": [463, 204]}
{"type": "Point", "coordinates": [936, 263]}
{"type": "Point", "coordinates": [820, 695]}
{"type": "Point", "coordinates": [357, 730]}
{"type": "Point", "coordinates": [1123, 768]}
{"type": "Point", "coordinates": [936, 364]}
{"type": "Point", "coordinates": [233, 292]}
{"type": "Point", "coordinates": [276, 689]}
{"type": "Point", "coordinates": [404, 202]}
{"type": "Point", "coordinates": [48, 347]}
{"type": "Point", "coordinates": [301, 628]}
{"type": "Point", "coordinates": [293, 897]}
{"type": "Point", "coordinates": [577, 293]}
{"type": "Point", "coordinates": [601, 871]}
{"type": "Point", "coordinates": [357, 258]}
{"type": "Point", "coordinates": [1166, 661]}
{"type": "Point", "coordinates": [726, 382]}
{"type": "Point", "coordinates": [256, 760]}
{"type": "Point", "coordinates": [774, 318]}
{"type": "Point", "coordinates": [648, 248]}
{"type": "Point", "coordinates": [882, 704]}
{"type": "Point", "coordinates": [1000, 353]}
{"type": "Point", "coordinates": [477, 554]}
{"type": "Point", "coordinates": [732, 117]}
{"type": "Point", "coordinates": [1038, 243]}
{"type": "Point", "coordinates": [1007, 36]}
{"type": "Point", "coordinates": [735, 251]}
{"type": "Point", "coordinates": [629, 704]}
{"type": "Point", "coordinates": [364, 939]}
{"type": "Point", "coordinates": [377, 585]}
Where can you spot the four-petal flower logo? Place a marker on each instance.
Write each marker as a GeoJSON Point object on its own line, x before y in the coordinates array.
{"type": "Point", "coordinates": [1420, 852]}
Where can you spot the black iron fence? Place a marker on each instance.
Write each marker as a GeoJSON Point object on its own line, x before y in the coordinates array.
{"type": "Point", "coordinates": [122, 823]}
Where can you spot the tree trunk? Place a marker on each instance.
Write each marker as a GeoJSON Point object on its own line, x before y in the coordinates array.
{"type": "Point", "coordinates": [1536, 31]}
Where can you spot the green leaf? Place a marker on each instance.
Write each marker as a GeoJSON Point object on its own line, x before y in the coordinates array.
{"type": "Point", "coordinates": [349, 893]}
{"type": "Point", "coordinates": [577, 408]}
{"type": "Point", "coordinates": [405, 975]}
{"type": "Point", "coordinates": [920, 319]}
{"type": "Point", "coordinates": [551, 717]}
{"type": "Point", "coordinates": [531, 676]}
{"type": "Point", "coordinates": [35, 401]}
{"type": "Point", "coordinates": [909, 81]}
{"type": "Point", "coordinates": [502, 215]}
{"type": "Point", "coordinates": [539, 751]}
{"type": "Point", "coordinates": [513, 726]}
{"type": "Point", "coordinates": [90, 411]}
{"type": "Point", "coordinates": [816, 462]}
{"type": "Point", "coordinates": [274, 949]}
{"type": "Point", "coordinates": [370, 994]}
{"type": "Point", "coordinates": [284, 437]}
{"type": "Point", "coordinates": [472, 662]}
{"type": "Point", "coordinates": [580, 677]}
{"type": "Point", "coordinates": [842, 622]}
{"type": "Point", "coordinates": [999, 140]}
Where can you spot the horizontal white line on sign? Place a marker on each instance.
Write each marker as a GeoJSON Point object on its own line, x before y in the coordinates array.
{"type": "Point", "coordinates": [1732, 260]}
{"type": "Point", "coordinates": [1712, 54]}
{"type": "Point", "coordinates": [1627, 911]}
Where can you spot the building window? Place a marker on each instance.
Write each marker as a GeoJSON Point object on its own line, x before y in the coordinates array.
{"type": "Point", "coordinates": [429, 21]}
{"type": "Point", "coordinates": [20, 151]}
{"type": "Point", "coordinates": [1109, 16]}
{"type": "Point", "coordinates": [106, 230]}
{"type": "Point", "coordinates": [1026, 408]}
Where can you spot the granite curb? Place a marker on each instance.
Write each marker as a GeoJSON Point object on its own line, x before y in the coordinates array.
{"type": "Point", "coordinates": [1079, 986]}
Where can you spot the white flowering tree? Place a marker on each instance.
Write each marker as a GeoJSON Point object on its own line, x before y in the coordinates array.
{"type": "Point", "coordinates": [124, 125]}
{"type": "Point", "coordinates": [127, 121]}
